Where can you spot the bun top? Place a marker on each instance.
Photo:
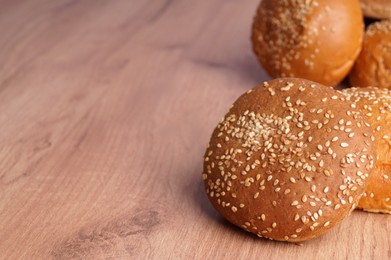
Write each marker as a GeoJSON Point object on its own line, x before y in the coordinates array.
{"type": "Point", "coordinates": [380, 9]}
{"type": "Point", "coordinates": [316, 39]}
{"type": "Point", "coordinates": [376, 105]}
{"type": "Point", "coordinates": [373, 66]}
{"type": "Point", "coordinates": [289, 160]}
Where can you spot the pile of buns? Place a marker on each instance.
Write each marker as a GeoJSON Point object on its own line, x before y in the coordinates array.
{"type": "Point", "coordinates": [294, 157]}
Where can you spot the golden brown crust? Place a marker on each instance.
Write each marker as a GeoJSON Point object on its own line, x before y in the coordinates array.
{"type": "Point", "coordinates": [376, 105]}
{"type": "Point", "coordinates": [289, 160]}
{"type": "Point", "coordinates": [318, 39]}
{"type": "Point", "coordinates": [373, 65]}
{"type": "Point", "coordinates": [380, 9]}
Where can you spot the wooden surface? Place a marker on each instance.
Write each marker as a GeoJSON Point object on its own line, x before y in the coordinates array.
{"type": "Point", "coordinates": [106, 110]}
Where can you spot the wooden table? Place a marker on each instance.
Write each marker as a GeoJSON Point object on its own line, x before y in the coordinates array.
{"type": "Point", "coordinates": [106, 110]}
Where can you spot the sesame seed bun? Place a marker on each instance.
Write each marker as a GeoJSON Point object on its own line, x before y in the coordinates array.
{"type": "Point", "coordinates": [373, 65]}
{"type": "Point", "coordinates": [289, 161]}
{"type": "Point", "coordinates": [317, 40]}
{"type": "Point", "coordinates": [376, 105]}
{"type": "Point", "coordinates": [380, 9]}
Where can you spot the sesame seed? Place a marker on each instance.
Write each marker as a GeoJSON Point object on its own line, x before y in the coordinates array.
{"type": "Point", "coordinates": [286, 88]}
{"type": "Point", "coordinates": [344, 145]}
{"type": "Point", "coordinates": [328, 173]}
{"type": "Point", "coordinates": [321, 163]}
{"type": "Point", "coordinates": [342, 187]}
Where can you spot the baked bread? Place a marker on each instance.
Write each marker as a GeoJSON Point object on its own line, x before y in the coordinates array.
{"type": "Point", "coordinates": [318, 39]}
{"type": "Point", "coordinates": [373, 65]}
{"type": "Point", "coordinates": [379, 9]}
{"type": "Point", "coordinates": [376, 105]}
{"type": "Point", "coordinates": [289, 161]}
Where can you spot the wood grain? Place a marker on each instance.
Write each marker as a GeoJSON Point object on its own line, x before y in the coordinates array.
{"type": "Point", "coordinates": [106, 109]}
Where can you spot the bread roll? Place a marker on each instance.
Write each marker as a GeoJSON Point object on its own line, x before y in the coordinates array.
{"type": "Point", "coordinates": [289, 161]}
{"type": "Point", "coordinates": [317, 39]}
{"type": "Point", "coordinates": [376, 105]}
{"type": "Point", "coordinates": [373, 66]}
{"type": "Point", "coordinates": [376, 8]}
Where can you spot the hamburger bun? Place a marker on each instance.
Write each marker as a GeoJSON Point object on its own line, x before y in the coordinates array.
{"type": "Point", "coordinates": [373, 65]}
{"type": "Point", "coordinates": [317, 40]}
{"type": "Point", "coordinates": [376, 105]}
{"type": "Point", "coordinates": [379, 9]}
{"type": "Point", "coordinates": [289, 161]}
